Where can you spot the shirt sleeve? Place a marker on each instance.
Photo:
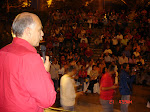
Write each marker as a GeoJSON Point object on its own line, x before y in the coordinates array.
{"type": "Point", "coordinates": [38, 81]}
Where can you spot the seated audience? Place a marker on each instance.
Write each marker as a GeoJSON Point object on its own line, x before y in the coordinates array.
{"type": "Point", "coordinates": [108, 50]}
{"type": "Point", "coordinates": [84, 38]}
{"type": "Point", "coordinates": [132, 60]}
{"type": "Point", "coordinates": [123, 59]}
{"type": "Point", "coordinates": [139, 60]}
{"type": "Point", "coordinates": [93, 78]}
{"type": "Point", "coordinates": [136, 53]}
{"type": "Point", "coordinates": [127, 52]}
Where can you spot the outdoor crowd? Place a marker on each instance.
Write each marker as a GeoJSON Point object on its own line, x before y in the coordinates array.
{"type": "Point", "coordinates": [124, 40]}
{"type": "Point", "coordinates": [123, 37]}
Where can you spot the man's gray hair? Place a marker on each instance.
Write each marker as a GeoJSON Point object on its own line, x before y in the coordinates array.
{"type": "Point", "coordinates": [21, 23]}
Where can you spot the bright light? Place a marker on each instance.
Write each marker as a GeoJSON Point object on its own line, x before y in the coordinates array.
{"type": "Point", "coordinates": [24, 4]}
{"type": "Point", "coordinates": [49, 2]}
{"type": "Point", "coordinates": [13, 35]}
{"type": "Point", "coordinates": [88, 2]}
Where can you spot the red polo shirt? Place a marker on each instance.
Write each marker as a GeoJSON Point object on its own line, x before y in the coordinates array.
{"type": "Point", "coordinates": [106, 81]}
{"type": "Point", "coordinates": [25, 86]}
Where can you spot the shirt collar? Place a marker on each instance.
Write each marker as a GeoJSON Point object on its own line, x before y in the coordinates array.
{"type": "Point", "coordinates": [24, 43]}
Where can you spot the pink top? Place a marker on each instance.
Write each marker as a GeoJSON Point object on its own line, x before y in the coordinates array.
{"type": "Point", "coordinates": [132, 61]}
{"type": "Point", "coordinates": [106, 81]}
{"type": "Point", "coordinates": [25, 86]}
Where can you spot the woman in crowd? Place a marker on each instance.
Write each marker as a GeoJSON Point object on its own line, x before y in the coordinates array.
{"type": "Point", "coordinates": [93, 78]}
{"type": "Point", "coordinates": [132, 61]}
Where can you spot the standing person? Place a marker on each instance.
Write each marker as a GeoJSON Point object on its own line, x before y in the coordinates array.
{"type": "Point", "coordinates": [67, 89]}
{"type": "Point", "coordinates": [25, 82]}
{"type": "Point", "coordinates": [61, 72]}
{"type": "Point", "coordinates": [125, 86]}
{"type": "Point", "coordinates": [107, 89]}
{"type": "Point", "coordinates": [54, 68]}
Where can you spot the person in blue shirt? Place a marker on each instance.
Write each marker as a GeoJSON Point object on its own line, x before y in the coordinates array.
{"type": "Point", "coordinates": [125, 87]}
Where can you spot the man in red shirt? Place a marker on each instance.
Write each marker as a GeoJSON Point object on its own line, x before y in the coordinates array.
{"type": "Point", "coordinates": [107, 90]}
{"type": "Point", "coordinates": [25, 82]}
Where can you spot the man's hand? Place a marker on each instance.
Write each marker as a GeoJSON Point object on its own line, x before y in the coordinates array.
{"type": "Point", "coordinates": [115, 86]}
{"type": "Point", "coordinates": [47, 63]}
{"type": "Point", "coordinates": [108, 88]}
{"type": "Point", "coordinates": [79, 93]}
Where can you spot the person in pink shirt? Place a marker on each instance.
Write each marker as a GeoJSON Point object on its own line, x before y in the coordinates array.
{"type": "Point", "coordinates": [25, 82]}
{"type": "Point", "coordinates": [107, 89]}
{"type": "Point", "coordinates": [132, 60]}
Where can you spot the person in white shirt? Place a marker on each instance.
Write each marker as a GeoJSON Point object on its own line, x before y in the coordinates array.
{"type": "Point", "coordinates": [119, 36]}
{"type": "Point", "coordinates": [54, 72]}
{"type": "Point", "coordinates": [83, 31]}
{"type": "Point", "coordinates": [61, 72]}
{"type": "Point", "coordinates": [107, 58]}
{"type": "Point", "coordinates": [90, 21]}
{"type": "Point", "coordinates": [140, 59]}
{"type": "Point", "coordinates": [67, 89]}
{"type": "Point", "coordinates": [136, 53]}
{"type": "Point", "coordinates": [123, 59]}
{"type": "Point", "coordinates": [78, 66]}
{"type": "Point", "coordinates": [98, 41]}
{"type": "Point", "coordinates": [114, 41]}
{"type": "Point", "coordinates": [84, 38]}
{"type": "Point", "coordinates": [89, 66]}
{"type": "Point", "coordinates": [108, 50]}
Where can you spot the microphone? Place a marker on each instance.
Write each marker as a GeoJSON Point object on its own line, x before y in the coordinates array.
{"type": "Point", "coordinates": [43, 51]}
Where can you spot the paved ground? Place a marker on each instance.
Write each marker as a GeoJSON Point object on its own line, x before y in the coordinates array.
{"type": "Point", "coordinates": [90, 102]}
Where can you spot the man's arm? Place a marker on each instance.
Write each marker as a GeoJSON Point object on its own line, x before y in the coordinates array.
{"type": "Point", "coordinates": [37, 80]}
{"type": "Point", "coordinates": [104, 85]}
{"type": "Point", "coordinates": [108, 88]}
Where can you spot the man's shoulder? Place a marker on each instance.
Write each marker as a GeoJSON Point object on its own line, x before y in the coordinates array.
{"type": "Point", "coordinates": [123, 73]}
{"type": "Point", "coordinates": [65, 78]}
{"type": "Point", "coordinates": [16, 49]}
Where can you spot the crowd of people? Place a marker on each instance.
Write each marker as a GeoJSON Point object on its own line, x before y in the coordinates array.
{"type": "Point", "coordinates": [122, 36]}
